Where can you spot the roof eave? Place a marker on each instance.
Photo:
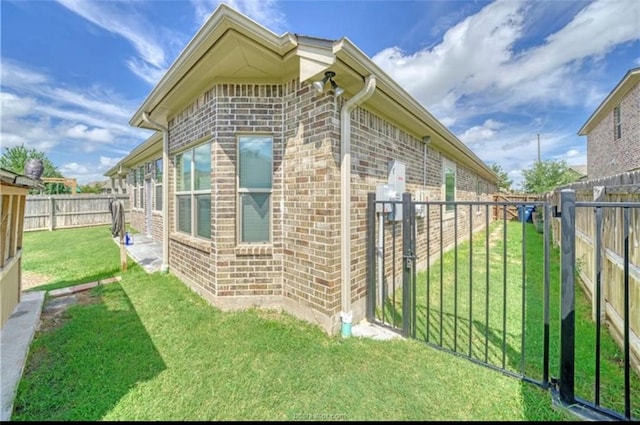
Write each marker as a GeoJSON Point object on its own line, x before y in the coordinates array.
{"type": "Point", "coordinates": [625, 84]}
{"type": "Point", "coordinates": [222, 19]}
{"type": "Point", "coordinates": [384, 82]}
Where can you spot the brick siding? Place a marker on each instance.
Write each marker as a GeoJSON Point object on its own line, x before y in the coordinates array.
{"type": "Point", "coordinates": [300, 270]}
{"type": "Point", "coordinates": [607, 156]}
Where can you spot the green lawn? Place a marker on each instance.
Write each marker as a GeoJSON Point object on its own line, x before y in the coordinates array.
{"type": "Point", "coordinates": [148, 348]}
{"type": "Point", "coordinates": [466, 313]}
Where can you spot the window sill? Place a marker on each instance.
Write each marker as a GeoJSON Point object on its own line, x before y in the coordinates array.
{"type": "Point", "coordinates": [199, 244]}
{"type": "Point", "coordinates": [254, 250]}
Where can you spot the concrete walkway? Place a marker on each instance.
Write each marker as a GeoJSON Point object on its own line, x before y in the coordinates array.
{"type": "Point", "coordinates": [145, 251]}
{"type": "Point", "coordinates": [15, 338]}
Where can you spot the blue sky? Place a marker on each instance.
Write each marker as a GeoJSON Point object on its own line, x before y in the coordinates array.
{"type": "Point", "coordinates": [497, 73]}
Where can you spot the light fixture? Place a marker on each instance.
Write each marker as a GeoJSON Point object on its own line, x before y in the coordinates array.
{"type": "Point", "coordinates": [328, 76]}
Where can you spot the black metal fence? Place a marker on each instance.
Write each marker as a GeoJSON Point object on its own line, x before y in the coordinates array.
{"type": "Point", "coordinates": [480, 288]}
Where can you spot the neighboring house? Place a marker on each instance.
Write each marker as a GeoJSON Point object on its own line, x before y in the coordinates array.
{"type": "Point", "coordinates": [613, 130]}
{"type": "Point", "coordinates": [13, 189]}
{"type": "Point", "coordinates": [578, 172]}
{"type": "Point", "coordinates": [140, 175]}
{"type": "Point", "coordinates": [264, 178]}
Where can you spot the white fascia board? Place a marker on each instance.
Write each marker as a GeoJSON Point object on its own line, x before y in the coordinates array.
{"type": "Point", "coordinates": [222, 19]}
{"type": "Point", "coordinates": [630, 79]}
{"type": "Point", "coordinates": [345, 49]}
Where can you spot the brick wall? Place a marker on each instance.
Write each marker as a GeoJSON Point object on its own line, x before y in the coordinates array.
{"type": "Point", "coordinates": [300, 270]}
{"type": "Point", "coordinates": [607, 156]}
{"type": "Point", "coordinates": [376, 142]}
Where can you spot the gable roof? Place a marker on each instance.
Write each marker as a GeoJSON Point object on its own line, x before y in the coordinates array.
{"type": "Point", "coordinates": [627, 82]}
{"type": "Point", "coordinates": [232, 48]}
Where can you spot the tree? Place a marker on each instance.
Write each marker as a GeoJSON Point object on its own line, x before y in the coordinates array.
{"type": "Point", "coordinates": [15, 157]}
{"type": "Point", "coordinates": [90, 188]}
{"type": "Point", "coordinates": [504, 181]}
{"type": "Point", "coordinates": [545, 176]}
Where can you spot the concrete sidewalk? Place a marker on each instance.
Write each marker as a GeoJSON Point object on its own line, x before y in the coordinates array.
{"type": "Point", "coordinates": [145, 252]}
{"type": "Point", "coordinates": [15, 338]}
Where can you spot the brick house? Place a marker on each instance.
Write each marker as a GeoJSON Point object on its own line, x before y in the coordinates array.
{"type": "Point", "coordinates": [613, 130]}
{"type": "Point", "coordinates": [265, 175]}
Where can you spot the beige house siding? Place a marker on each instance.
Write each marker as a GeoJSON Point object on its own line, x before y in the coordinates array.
{"type": "Point", "coordinates": [607, 156]}
{"type": "Point", "coordinates": [300, 270]}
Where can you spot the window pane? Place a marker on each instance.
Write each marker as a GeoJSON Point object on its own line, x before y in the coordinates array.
{"type": "Point", "coordinates": [202, 167]}
{"type": "Point", "coordinates": [256, 154]}
{"type": "Point", "coordinates": [141, 174]}
{"type": "Point", "coordinates": [255, 217]}
{"type": "Point", "coordinates": [159, 197]}
{"type": "Point", "coordinates": [184, 213]}
{"type": "Point", "coordinates": [183, 174]}
{"type": "Point", "coordinates": [141, 197]}
{"type": "Point", "coordinates": [158, 171]}
{"type": "Point", "coordinates": [450, 187]}
{"type": "Point", "coordinates": [203, 216]}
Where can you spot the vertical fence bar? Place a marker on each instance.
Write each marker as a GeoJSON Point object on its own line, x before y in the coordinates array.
{"type": "Point", "coordinates": [486, 295]}
{"type": "Point", "coordinates": [428, 270]}
{"type": "Point", "coordinates": [627, 322]}
{"type": "Point", "coordinates": [406, 264]}
{"type": "Point", "coordinates": [524, 284]}
{"type": "Point", "coordinates": [547, 279]}
{"type": "Point", "coordinates": [567, 298]}
{"type": "Point", "coordinates": [393, 313]}
{"type": "Point", "coordinates": [371, 256]}
{"type": "Point", "coordinates": [383, 260]}
{"type": "Point", "coordinates": [455, 277]}
{"type": "Point", "coordinates": [598, 289]}
{"type": "Point", "coordinates": [504, 284]}
{"type": "Point", "coordinates": [470, 275]}
{"type": "Point", "coordinates": [412, 219]}
{"type": "Point", "coordinates": [441, 270]}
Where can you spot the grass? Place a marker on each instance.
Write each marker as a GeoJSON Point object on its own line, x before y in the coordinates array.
{"type": "Point", "coordinates": [148, 348]}
{"type": "Point", "coordinates": [461, 307]}
{"type": "Point", "coordinates": [72, 256]}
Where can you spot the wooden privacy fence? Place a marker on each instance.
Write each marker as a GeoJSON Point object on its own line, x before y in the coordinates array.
{"type": "Point", "coordinates": [50, 212]}
{"type": "Point", "coordinates": [620, 188]}
{"type": "Point", "coordinates": [512, 210]}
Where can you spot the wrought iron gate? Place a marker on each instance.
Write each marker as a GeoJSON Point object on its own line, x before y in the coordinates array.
{"type": "Point", "coordinates": [449, 274]}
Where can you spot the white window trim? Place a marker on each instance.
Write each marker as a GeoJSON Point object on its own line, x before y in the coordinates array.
{"type": "Point", "coordinates": [617, 123]}
{"type": "Point", "coordinates": [448, 164]}
{"type": "Point", "coordinates": [190, 192]}
{"type": "Point", "coordinates": [240, 191]}
{"type": "Point", "coordinates": [156, 185]}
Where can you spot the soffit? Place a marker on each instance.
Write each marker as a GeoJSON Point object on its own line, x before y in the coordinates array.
{"type": "Point", "coordinates": [233, 58]}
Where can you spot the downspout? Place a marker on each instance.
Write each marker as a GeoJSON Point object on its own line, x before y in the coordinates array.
{"type": "Point", "coordinates": [164, 268]}
{"type": "Point", "coordinates": [345, 199]}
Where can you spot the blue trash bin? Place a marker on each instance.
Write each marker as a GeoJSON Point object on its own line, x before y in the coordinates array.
{"type": "Point", "coordinates": [528, 216]}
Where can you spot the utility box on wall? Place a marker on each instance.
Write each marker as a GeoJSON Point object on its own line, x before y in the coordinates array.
{"type": "Point", "coordinates": [392, 191]}
{"type": "Point", "coordinates": [398, 183]}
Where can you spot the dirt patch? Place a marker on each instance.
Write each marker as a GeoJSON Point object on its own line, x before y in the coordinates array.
{"type": "Point", "coordinates": [31, 280]}
{"type": "Point", "coordinates": [54, 313]}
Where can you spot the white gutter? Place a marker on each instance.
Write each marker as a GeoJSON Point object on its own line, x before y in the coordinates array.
{"type": "Point", "coordinates": [164, 268]}
{"type": "Point", "coordinates": [345, 199]}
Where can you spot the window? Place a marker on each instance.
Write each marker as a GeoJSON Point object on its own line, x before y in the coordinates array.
{"type": "Point", "coordinates": [158, 179]}
{"type": "Point", "coordinates": [141, 186]}
{"type": "Point", "coordinates": [255, 170]}
{"type": "Point", "coordinates": [193, 191]}
{"type": "Point", "coordinates": [617, 126]}
{"type": "Point", "coordinates": [449, 184]}
{"type": "Point", "coordinates": [133, 180]}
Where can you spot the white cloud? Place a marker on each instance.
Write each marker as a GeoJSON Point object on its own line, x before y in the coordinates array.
{"type": "Point", "coordinates": [480, 133]}
{"type": "Point", "coordinates": [266, 12]}
{"type": "Point", "coordinates": [156, 46]}
{"type": "Point", "coordinates": [476, 57]}
{"type": "Point", "coordinates": [64, 122]}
